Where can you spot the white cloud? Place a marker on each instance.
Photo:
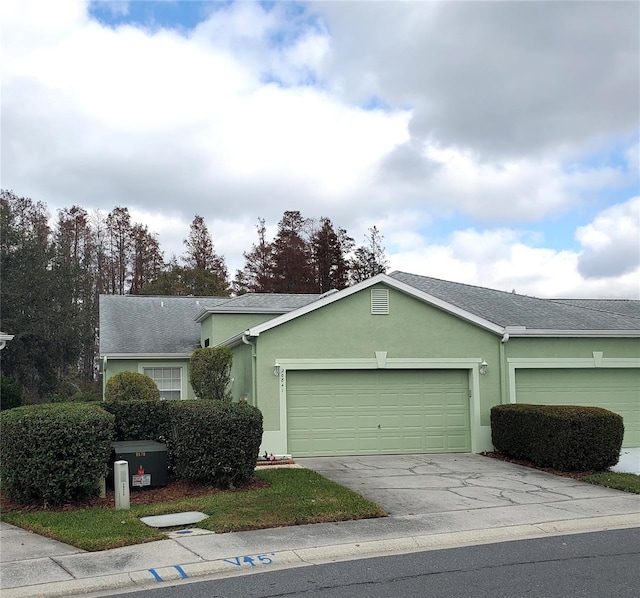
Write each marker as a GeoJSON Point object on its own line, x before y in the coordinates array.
{"type": "Point", "coordinates": [227, 121]}
{"type": "Point", "coordinates": [500, 78]}
{"type": "Point", "coordinates": [611, 243]}
{"type": "Point", "coordinates": [509, 260]}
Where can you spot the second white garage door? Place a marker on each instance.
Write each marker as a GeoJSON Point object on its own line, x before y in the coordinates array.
{"type": "Point", "coordinates": [360, 412]}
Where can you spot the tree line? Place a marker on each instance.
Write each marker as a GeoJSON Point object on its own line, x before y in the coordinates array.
{"type": "Point", "coordinates": [53, 275]}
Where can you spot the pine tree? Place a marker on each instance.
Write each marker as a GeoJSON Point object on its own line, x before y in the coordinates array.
{"type": "Point", "coordinates": [292, 267]}
{"type": "Point", "coordinates": [26, 253]}
{"type": "Point", "coordinates": [329, 249]}
{"type": "Point", "coordinates": [200, 254]}
{"type": "Point", "coordinates": [257, 274]}
{"type": "Point", "coordinates": [147, 258]}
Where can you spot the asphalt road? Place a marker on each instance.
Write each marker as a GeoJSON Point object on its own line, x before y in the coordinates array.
{"type": "Point", "coordinates": [593, 565]}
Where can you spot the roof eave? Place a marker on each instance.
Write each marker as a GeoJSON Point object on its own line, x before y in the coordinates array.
{"type": "Point", "coordinates": [541, 333]}
{"type": "Point", "coordinates": [233, 341]}
{"type": "Point", "coordinates": [203, 314]}
{"type": "Point", "coordinates": [146, 355]}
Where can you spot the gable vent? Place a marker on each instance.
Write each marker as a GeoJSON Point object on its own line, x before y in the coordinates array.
{"type": "Point", "coordinates": [379, 302]}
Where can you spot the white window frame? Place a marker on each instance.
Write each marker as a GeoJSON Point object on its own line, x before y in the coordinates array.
{"type": "Point", "coordinates": [171, 378]}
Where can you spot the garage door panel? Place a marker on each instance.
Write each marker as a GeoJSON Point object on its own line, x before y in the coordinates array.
{"type": "Point", "coordinates": [382, 411]}
{"type": "Point", "coordinates": [457, 420]}
{"type": "Point", "coordinates": [456, 443]}
{"type": "Point", "coordinates": [615, 389]}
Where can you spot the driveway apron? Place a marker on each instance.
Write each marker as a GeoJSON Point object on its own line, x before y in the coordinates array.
{"type": "Point", "coordinates": [425, 485]}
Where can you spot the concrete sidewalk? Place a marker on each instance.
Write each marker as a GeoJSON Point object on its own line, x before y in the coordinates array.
{"type": "Point", "coordinates": [434, 501]}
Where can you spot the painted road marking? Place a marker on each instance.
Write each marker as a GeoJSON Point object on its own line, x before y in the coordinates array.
{"type": "Point", "coordinates": [180, 570]}
{"type": "Point", "coordinates": [239, 561]}
{"type": "Point", "coordinates": [155, 574]}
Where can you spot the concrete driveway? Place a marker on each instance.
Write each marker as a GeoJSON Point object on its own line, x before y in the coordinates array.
{"type": "Point", "coordinates": [468, 485]}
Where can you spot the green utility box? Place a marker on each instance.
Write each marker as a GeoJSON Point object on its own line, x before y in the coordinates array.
{"type": "Point", "coordinates": [147, 461]}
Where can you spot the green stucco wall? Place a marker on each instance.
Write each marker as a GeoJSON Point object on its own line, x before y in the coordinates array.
{"type": "Point", "coordinates": [242, 387]}
{"type": "Point", "coordinates": [115, 366]}
{"type": "Point", "coordinates": [346, 329]}
{"type": "Point", "coordinates": [220, 327]}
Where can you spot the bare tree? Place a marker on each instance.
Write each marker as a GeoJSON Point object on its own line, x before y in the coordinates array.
{"type": "Point", "coordinates": [369, 259]}
{"type": "Point", "coordinates": [119, 247]}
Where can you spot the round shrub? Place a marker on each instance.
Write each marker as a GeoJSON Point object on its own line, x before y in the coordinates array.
{"type": "Point", "coordinates": [565, 437]}
{"type": "Point", "coordinates": [215, 442]}
{"type": "Point", "coordinates": [54, 453]}
{"type": "Point", "coordinates": [130, 386]}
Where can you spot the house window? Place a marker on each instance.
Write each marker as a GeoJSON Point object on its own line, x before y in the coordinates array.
{"type": "Point", "coordinates": [380, 302]}
{"type": "Point", "coordinates": [168, 380]}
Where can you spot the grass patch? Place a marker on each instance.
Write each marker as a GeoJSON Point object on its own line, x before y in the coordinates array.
{"type": "Point", "coordinates": [629, 482]}
{"type": "Point", "coordinates": [294, 497]}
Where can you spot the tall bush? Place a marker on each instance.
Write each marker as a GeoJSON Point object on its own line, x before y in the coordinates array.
{"type": "Point", "coordinates": [211, 373]}
{"type": "Point", "coordinates": [215, 442]}
{"type": "Point", "coordinates": [131, 386]}
{"type": "Point", "coordinates": [9, 393]}
{"type": "Point", "coordinates": [54, 453]}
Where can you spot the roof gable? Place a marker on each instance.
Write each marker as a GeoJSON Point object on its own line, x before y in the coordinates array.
{"type": "Point", "coordinates": [379, 279]}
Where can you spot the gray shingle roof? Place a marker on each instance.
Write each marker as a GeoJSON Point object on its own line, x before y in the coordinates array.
{"type": "Point", "coordinates": [151, 325]}
{"type": "Point", "coordinates": [624, 307]}
{"type": "Point", "coordinates": [147, 325]}
{"type": "Point", "coordinates": [268, 301]}
{"type": "Point", "coordinates": [510, 309]}
{"type": "Point", "coordinates": [166, 325]}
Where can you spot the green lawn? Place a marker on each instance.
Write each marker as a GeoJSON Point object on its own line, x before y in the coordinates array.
{"type": "Point", "coordinates": [294, 497]}
{"type": "Point", "coordinates": [629, 482]}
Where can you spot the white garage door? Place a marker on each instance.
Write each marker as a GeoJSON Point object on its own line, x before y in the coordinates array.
{"type": "Point", "coordinates": [616, 389]}
{"type": "Point", "coordinates": [360, 412]}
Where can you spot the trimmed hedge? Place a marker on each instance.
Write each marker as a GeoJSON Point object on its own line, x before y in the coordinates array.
{"type": "Point", "coordinates": [140, 419]}
{"type": "Point", "coordinates": [565, 437]}
{"type": "Point", "coordinates": [215, 442]}
{"type": "Point", "coordinates": [131, 386]}
{"type": "Point", "coordinates": [54, 453]}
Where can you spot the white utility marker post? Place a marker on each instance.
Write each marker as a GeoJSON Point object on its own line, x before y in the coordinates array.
{"type": "Point", "coordinates": [121, 484]}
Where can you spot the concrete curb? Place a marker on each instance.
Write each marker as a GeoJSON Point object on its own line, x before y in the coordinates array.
{"type": "Point", "coordinates": [285, 559]}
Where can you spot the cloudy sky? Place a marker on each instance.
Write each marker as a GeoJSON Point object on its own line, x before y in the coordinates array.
{"type": "Point", "coordinates": [492, 143]}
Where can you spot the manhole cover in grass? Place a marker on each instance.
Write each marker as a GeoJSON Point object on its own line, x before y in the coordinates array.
{"type": "Point", "coordinates": [174, 519]}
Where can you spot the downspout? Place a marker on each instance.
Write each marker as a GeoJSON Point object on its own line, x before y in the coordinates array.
{"type": "Point", "coordinates": [503, 370]}
{"type": "Point", "coordinates": [104, 376]}
{"type": "Point", "coordinates": [254, 382]}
